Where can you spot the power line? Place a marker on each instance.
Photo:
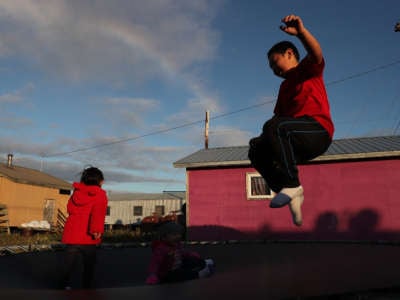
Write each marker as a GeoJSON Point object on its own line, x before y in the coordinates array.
{"type": "Point", "coordinates": [364, 73]}
{"type": "Point", "coordinates": [156, 132]}
{"type": "Point", "coordinates": [215, 117]}
{"type": "Point", "coordinates": [124, 140]}
{"type": "Point", "coordinates": [396, 127]}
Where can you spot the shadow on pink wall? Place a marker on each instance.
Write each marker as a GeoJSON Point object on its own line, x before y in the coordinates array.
{"type": "Point", "coordinates": [362, 226]}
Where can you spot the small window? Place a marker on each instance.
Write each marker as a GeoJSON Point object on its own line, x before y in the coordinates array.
{"type": "Point", "coordinates": [257, 188]}
{"type": "Point", "coordinates": [160, 210]}
{"type": "Point", "coordinates": [64, 192]}
{"type": "Point", "coordinates": [108, 211]}
{"type": "Point", "coordinates": [138, 210]}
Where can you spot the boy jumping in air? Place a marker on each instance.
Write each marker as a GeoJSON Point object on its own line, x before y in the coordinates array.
{"type": "Point", "coordinates": [301, 128]}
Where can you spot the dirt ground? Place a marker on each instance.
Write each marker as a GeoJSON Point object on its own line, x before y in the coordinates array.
{"type": "Point", "coordinates": [256, 270]}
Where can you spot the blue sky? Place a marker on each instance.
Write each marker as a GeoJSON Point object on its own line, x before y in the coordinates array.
{"type": "Point", "coordinates": [104, 83]}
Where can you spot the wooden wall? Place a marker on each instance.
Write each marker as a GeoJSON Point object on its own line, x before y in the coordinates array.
{"type": "Point", "coordinates": [27, 202]}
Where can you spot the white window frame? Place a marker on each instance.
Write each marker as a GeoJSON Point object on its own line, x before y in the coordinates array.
{"type": "Point", "coordinates": [249, 176]}
{"type": "Point", "coordinates": [160, 207]}
{"type": "Point", "coordinates": [141, 210]}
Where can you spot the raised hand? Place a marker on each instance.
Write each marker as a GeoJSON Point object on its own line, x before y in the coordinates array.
{"type": "Point", "coordinates": [293, 25]}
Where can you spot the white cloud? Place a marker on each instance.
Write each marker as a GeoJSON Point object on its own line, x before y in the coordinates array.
{"type": "Point", "coordinates": [10, 98]}
{"type": "Point", "coordinates": [124, 163]}
{"type": "Point", "coordinates": [13, 122]}
{"type": "Point", "coordinates": [224, 136]}
{"type": "Point", "coordinates": [9, 104]}
{"type": "Point", "coordinates": [82, 39]}
{"type": "Point", "coordinates": [117, 44]}
{"type": "Point", "coordinates": [17, 95]}
{"type": "Point", "coordinates": [128, 112]}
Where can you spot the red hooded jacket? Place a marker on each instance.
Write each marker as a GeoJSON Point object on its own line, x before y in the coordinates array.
{"type": "Point", "coordinates": [86, 215]}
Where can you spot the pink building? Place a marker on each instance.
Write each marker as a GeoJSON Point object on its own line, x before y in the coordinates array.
{"type": "Point", "coordinates": [352, 192]}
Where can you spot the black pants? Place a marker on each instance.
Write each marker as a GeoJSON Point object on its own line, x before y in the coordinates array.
{"type": "Point", "coordinates": [189, 270]}
{"type": "Point", "coordinates": [75, 254]}
{"type": "Point", "coordinates": [284, 142]}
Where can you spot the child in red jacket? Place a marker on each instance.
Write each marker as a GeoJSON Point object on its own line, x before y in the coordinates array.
{"type": "Point", "coordinates": [85, 225]}
{"type": "Point", "coordinates": [170, 262]}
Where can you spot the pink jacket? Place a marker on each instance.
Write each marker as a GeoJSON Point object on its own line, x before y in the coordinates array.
{"type": "Point", "coordinates": [86, 215]}
{"type": "Point", "coordinates": [163, 258]}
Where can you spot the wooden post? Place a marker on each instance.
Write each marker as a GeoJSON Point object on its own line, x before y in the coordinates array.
{"type": "Point", "coordinates": [206, 129]}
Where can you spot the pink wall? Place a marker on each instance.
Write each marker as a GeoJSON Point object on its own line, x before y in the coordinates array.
{"type": "Point", "coordinates": [343, 200]}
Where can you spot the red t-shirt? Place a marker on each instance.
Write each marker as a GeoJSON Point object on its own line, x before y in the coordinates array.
{"type": "Point", "coordinates": [303, 93]}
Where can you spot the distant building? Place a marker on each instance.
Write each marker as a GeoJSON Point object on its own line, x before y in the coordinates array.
{"type": "Point", "coordinates": [351, 193]}
{"type": "Point", "coordinates": [131, 208]}
{"type": "Point", "coordinates": [31, 194]}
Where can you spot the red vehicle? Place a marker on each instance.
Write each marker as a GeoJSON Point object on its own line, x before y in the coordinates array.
{"type": "Point", "coordinates": [150, 224]}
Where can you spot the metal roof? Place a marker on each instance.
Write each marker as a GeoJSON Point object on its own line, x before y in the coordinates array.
{"type": "Point", "coordinates": [341, 149]}
{"type": "Point", "coordinates": [33, 177]}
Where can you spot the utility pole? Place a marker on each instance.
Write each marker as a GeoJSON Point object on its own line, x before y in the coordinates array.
{"type": "Point", "coordinates": [207, 124]}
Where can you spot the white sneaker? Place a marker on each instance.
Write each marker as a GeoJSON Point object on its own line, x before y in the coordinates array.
{"type": "Point", "coordinates": [293, 192]}
{"type": "Point", "coordinates": [209, 261]}
{"type": "Point", "coordinates": [205, 272]}
{"type": "Point", "coordinates": [295, 209]}
{"type": "Point", "coordinates": [285, 196]}
{"type": "Point", "coordinates": [210, 265]}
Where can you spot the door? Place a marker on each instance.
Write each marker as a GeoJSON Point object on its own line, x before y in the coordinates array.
{"type": "Point", "coordinates": [48, 210]}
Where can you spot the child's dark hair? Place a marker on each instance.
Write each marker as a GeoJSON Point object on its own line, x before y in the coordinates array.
{"type": "Point", "coordinates": [92, 176]}
{"type": "Point", "coordinates": [281, 48]}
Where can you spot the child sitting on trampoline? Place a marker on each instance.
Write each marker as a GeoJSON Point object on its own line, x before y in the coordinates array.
{"type": "Point", "coordinates": [171, 262]}
{"type": "Point", "coordinates": [301, 128]}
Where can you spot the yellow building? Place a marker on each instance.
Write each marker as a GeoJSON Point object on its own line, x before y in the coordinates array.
{"type": "Point", "coordinates": [31, 195]}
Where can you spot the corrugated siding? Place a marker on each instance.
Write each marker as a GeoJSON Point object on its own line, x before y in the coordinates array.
{"type": "Point", "coordinates": [121, 211]}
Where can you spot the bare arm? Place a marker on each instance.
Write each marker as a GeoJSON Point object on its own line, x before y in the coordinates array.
{"type": "Point", "coordinates": [294, 26]}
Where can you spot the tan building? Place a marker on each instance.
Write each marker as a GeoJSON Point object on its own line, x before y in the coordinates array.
{"type": "Point", "coordinates": [31, 195]}
{"type": "Point", "coordinates": [132, 208]}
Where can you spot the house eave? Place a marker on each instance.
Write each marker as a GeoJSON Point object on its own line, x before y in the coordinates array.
{"type": "Point", "coordinates": [211, 164]}
{"type": "Point", "coordinates": [358, 156]}
{"type": "Point", "coordinates": [66, 186]}
{"type": "Point", "coordinates": [322, 158]}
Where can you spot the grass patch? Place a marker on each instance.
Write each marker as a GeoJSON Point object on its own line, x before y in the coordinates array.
{"type": "Point", "coordinates": [34, 239]}
{"type": "Point", "coordinates": [126, 236]}
{"type": "Point", "coordinates": [45, 238]}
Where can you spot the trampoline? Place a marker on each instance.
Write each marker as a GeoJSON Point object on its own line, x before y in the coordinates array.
{"type": "Point", "coordinates": [269, 270]}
